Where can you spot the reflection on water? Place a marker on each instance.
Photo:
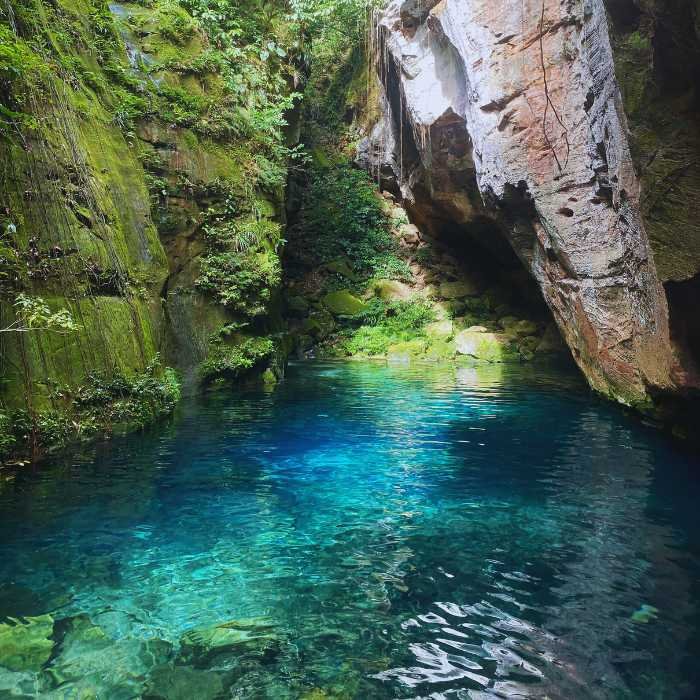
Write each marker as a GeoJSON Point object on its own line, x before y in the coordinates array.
{"type": "Point", "coordinates": [362, 532]}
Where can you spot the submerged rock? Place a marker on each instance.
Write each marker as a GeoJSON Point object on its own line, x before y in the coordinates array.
{"type": "Point", "coordinates": [183, 683]}
{"type": "Point", "coordinates": [26, 643]}
{"type": "Point", "coordinates": [645, 614]}
{"type": "Point", "coordinates": [254, 637]}
{"type": "Point", "coordinates": [89, 663]}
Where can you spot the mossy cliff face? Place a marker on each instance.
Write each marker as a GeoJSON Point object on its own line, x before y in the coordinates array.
{"type": "Point", "coordinates": [505, 124]}
{"type": "Point", "coordinates": [656, 45]}
{"type": "Point", "coordinates": [142, 177]}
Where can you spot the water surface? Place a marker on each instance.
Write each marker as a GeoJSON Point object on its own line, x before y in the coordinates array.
{"type": "Point", "coordinates": [362, 531]}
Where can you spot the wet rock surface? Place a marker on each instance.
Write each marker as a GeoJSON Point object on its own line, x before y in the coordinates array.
{"type": "Point", "coordinates": [507, 122]}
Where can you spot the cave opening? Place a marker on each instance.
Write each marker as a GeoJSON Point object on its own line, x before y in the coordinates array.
{"type": "Point", "coordinates": [485, 255]}
{"type": "Point", "coordinates": [684, 321]}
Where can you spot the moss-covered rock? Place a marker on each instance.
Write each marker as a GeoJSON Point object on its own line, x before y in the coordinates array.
{"type": "Point", "coordinates": [486, 347]}
{"type": "Point", "coordinates": [517, 328]}
{"type": "Point", "coordinates": [297, 304]}
{"type": "Point", "coordinates": [440, 330]}
{"type": "Point", "coordinates": [458, 290]}
{"type": "Point", "coordinates": [343, 303]}
{"type": "Point", "coordinates": [342, 267]}
{"type": "Point", "coordinates": [26, 644]}
{"type": "Point", "coordinates": [391, 290]}
{"type": "Point", "coordinates": [318, 324]}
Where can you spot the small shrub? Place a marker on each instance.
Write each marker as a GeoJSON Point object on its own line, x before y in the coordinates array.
{"type": "Point", "coordinates": [242, 282]}
{"type": "Point", "coordinates": [232, 361]}
{"type": "Point", "coordinates": [385, 324]}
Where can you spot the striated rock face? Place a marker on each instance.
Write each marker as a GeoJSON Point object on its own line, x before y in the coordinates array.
{"type": "Point", "coordinates": [505, 119]}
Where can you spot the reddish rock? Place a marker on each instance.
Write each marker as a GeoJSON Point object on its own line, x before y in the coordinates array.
{"type": "Point", "coordinates": [510, 113]}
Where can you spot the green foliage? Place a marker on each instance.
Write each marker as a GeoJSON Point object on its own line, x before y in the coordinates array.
{"type": "Point", "coordinates": [342, 217]}
{"type": "Point", "coordinates": [242, 282]}
{"type": "Point", "coordinates": [174, 23]}
{"type": "Point", "coordinates": [241, 236]}
{"type": "Point", "coordinates": [34, 314]}
{"type": "Point", "coordinates": [232, 361]}
{"type": "Point", "coordinates": [21, 70]}
{"type": "Point", "coordinates": [385, 324]}
{"type": "Point", "coordinates": [332, 25]}
{"type": "Point", "coordinates": [100, 403]}
{"type": "Point", "coordinates": [117, 398]}
{"type": "Point", "coordinates": [8, 438]}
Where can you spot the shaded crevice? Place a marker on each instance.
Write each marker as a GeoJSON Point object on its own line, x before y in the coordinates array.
{"type": "Point", "coordinates": [684, 321]}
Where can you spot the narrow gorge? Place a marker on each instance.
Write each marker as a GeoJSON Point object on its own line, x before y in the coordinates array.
{"type": "Point", "coordinates": [146, 150]}
{"type": "Point", "coordinates": [349, 349]}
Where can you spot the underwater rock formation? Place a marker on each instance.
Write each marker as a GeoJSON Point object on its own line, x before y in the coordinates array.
{"type": "Point", "coordinates": [506, 120]}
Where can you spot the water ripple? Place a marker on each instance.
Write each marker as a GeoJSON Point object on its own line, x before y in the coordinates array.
{"type": "Point", "coordinates": [379, 532]}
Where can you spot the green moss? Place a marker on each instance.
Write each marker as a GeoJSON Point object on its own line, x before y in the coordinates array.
{"type": "Point", "coordinates": [81, 197]}
{"type": "Point", "coordinates": [233, 361]}
{"type": "Point", "coordinates": [26, 644]}
{"type": "Point", "coordinates": [343, 303]}
{"type": "Point", "coordinates": [413, 347]}
{"type": "Point", "coordinates": [101, 403]}
{"type": "Point", "coordinates": [485, 347]}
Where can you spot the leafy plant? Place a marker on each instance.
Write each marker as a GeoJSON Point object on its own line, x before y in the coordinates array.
{"type": "Point", "coordinates": [240, 282]}
{"type": "Point", "coordinates": [232, 361]}
{"type": "Point", "coordinates": [385, 324]}
{"type": "Point", "coordinates": [98, 404]}
{"type": "Point", "coordinates": [342, 217]}
{"type": "Point", "coordinates": [34, 314]}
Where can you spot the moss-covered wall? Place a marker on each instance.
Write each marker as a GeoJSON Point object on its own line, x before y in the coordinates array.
{"type": "Point", "coordinates": [135, 144]}
{"type": "Point", "coordinates": [657, 53]}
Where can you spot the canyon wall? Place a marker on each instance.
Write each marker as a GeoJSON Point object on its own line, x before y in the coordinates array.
{"type": "Point", "coordinates": [506, 121]}
{"type": "Point", "coordinates": [142, 176]}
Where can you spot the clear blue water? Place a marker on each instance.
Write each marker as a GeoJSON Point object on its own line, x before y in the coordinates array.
{"type": "Point", "coordinates": [372, 532]}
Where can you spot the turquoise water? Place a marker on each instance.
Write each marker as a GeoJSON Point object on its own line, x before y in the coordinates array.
{"type": "Point", "coordinates": [362, 531]}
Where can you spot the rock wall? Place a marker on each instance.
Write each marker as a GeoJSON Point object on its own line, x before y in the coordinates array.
{"type": "Point", "coordinates": [656, 46]}
{"type": "Point", "coordinates": [126, 167]}
{"type": "Point", "coordinates": [506, 120]}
